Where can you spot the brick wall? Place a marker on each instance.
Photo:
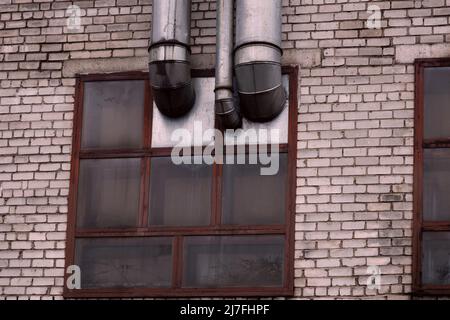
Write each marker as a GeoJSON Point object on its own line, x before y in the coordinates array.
{"type": "Point", "coordinates": [356, 93]}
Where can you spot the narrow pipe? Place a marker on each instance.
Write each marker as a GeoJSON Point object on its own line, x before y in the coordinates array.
{"type": "Point", "coordinates": [169, 66]}
{"type": "Point", "coordinates": [226, 110]}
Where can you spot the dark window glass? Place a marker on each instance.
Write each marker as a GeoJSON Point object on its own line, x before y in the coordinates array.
{"type": "Point", "coordinates": [436, 191]}
{"type": "Point", "coordinates": [124, 263]}
{"type": "Point", "coordinates": [239, 261]}
{"type": "Point", "coordinates": [436, 258]}
{"type": "Point", "coordinates": [113, 114]}
{"type": "Point", "coordinates": [250, 198]}
{"type": "Point", "coordinates": [180, 195]}
{"type": "Point", "coordinates": [148, 227]}
{"type": "Point", "coordinates": [437, 103]}
{"type": "Point", "coordinates": [432, 183]}
{"type": "Point", "coordinates": [108, 193]}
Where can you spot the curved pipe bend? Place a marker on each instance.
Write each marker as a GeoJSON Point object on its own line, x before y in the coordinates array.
{"type": "Point", "coordinates": [169, 67]}
{"type": "Point", "coordinates": [172, 87]}
{"type": "Point", "coordinates": [257, 58]}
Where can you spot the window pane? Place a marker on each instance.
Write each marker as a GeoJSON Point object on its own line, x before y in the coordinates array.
{"type": "Point", "coordinates": [436, 189]}
{"type": "Point", "coordinates": [201, 115]}
{"type": "Point", "coordinates": [124, 263]}
{"type": "Point", "coordinates": [108, 193]}
{"type": "Point", "coordinates": [250, 198]}
{"type": "Point", "coordinates": [437, 103]}
{"type": "Point", "coordinates": [113, 114]}
{"type": "Point", "coordinates": [180, 195]}
{"type": "Point", "coordinates": [227, 262]}
{"type": "Point", "coordinates": [436, 258]}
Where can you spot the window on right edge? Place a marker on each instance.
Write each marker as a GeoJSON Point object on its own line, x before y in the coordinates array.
{"type": "Point", "coordinates": [432, 178]}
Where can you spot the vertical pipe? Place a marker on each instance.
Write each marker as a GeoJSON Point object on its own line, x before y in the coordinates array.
{"type": "Point", "coordinates": [258, 59]}
{"type": "Point", "coordinates": [169, 67]}
{"type": "Point", "coordinates": [226, 111]}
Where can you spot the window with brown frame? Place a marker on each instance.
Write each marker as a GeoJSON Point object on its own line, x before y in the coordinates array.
{"type": "Point", "coordinates": [431, 262]}
{"type": "Point", "coordinates": [141, 226]}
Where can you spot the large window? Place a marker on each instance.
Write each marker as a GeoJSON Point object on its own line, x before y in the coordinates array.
{"type": "Point", "coordinates": [432, 178]}
{"type": "Point", "coordinates": [142, 226]}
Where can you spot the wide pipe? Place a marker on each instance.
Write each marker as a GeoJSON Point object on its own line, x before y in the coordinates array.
{"type": "Point", "coordinates": [169, 67]}
{"type": "Point", "coordinates": [226, 111]}
{"type": "Point", "coordinates": [257, 60]}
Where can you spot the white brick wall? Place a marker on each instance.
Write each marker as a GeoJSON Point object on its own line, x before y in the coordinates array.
{"type": "Point", "coordinates": [356, 91]}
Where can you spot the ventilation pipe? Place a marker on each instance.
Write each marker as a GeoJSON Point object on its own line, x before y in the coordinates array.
{"type": "Point", "coordinates": [169, 68]}
{"type": "Point", "coordinates": [226, 111]}
{"type": "Point", "coordinates": [258, 59]}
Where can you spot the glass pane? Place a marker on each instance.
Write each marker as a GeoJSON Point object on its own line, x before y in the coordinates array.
{"type": "Point", "coordinates": [193, 125]}
{"type": "Point", "coordinates": [436, 188]}
{"type": "Point", "coordinates": [180, 195]}
{"type": "Point", "coordinates": [230, 262]}
{"type": "Point", "coordinates": [113, 114]}
{"type": "Point", "coordinates": [108, 193]}
{"type": "Point", "coordinates": [250, 198]}
{"type": "Point", "coordinates": [437, 103]}
{"type": "Point", "coordinates": [436, 258]}
{"type": "Point", "coordinates": [279, 125]}
{"type": "Point", "coordinates": [124, 263]}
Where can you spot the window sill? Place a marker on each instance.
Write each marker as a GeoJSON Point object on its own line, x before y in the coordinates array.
{"type": "Point", "coordinates": [431, 291]}
{"type": "Point", "coordinates": [179, 293]}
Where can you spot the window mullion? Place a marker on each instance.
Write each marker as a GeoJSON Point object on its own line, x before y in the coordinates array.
{"type": "Point", "coordinates": [217, 195]}
{"type": "Point", "coordinates": [443, 226]}
{"type": "Point", "coordinates": [177, 267]}
{"type": "Point", "coordinates": [148, 116]}
{"type": "Point", "coordinates": [145, 193]}
{"type": "Point", "coordinates": [436, 144]}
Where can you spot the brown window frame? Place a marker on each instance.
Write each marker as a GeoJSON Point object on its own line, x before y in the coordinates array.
{"type": "Point", "coordinates": [146, 153]}
{"type": "Point", "coordinates": [419, 225]}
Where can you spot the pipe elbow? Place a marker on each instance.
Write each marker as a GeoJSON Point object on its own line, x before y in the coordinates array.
{"type": "Point", "coordinates": [227, 115]}
{"type": "Point", "coordinates": [172, 87]}
{"type": "Point", "coordinates": [261, 92]}
{"type": "Point", "coordinates": [257, 59]}
{"type": "Point", "coordinates": [169, 57]}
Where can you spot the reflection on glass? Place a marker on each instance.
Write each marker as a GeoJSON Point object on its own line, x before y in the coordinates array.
{"type": "Point", "coordinates": [108, 193]}
{"type": "Point", "coordinates": [113, 114]}
{"type": "Point", "coordinates": [180, 195]}
{"type": "Point", "coordinates": [250, 198]}
{"type": "Point", "coordinates": [436, 258]}
{"type": "Point", "coordinates": [124, 263]}
{"type": "Point", "coordinates": [231, 262]}
{"type": "Point", "coordinates": [437, 103]}
{"type": "Point", "coordinates": [436, 179]}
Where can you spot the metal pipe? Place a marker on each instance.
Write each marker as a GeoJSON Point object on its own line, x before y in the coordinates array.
{"type": "Point", "coordinates": [169, 67]}
{"type": "Point", "coordinates": [226, 110]}
{"type": "Point", "coordinates": [257, 60]}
